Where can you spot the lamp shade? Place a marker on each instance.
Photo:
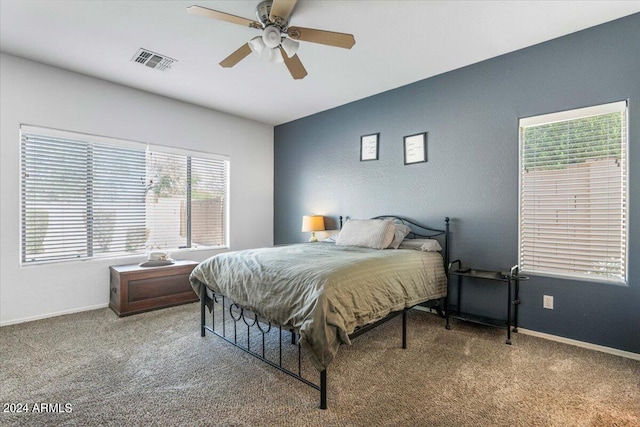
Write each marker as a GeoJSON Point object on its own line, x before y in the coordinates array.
{"type": "Point", "coordinates": [313, 223]}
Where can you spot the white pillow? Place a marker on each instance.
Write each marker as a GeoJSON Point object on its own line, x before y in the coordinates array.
{"type": "Point", "coordinates": [331, 239]}
{"type": "Point", "coordinates": [426, 245]}
{"type": "Point", "coordinates": [368, 233]}
{"type": "Point", "coordinates": [400, 233]}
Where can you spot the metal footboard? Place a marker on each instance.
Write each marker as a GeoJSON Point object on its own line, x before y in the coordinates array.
{"type": "Point", "coordinates": [246, 331]}
{"type": "Point", "coordinates": [235, 325]}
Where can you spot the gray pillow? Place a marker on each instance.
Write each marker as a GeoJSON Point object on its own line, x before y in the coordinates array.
{"type": "Point", "coordinates": [400, 233]}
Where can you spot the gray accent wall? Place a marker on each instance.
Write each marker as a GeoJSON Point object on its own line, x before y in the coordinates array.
{"type": "Point", "coordinates": [471, 116]}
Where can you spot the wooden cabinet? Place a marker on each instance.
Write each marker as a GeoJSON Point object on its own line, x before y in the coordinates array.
{"type": "Point", "coordinates": [135, 289]}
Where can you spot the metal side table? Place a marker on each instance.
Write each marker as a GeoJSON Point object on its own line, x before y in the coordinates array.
{"type": "Point", "coordinates": [511, 277]}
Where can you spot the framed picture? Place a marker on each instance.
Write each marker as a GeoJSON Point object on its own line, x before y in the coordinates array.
{"type": "Point", "coordinates": [415, 148]}
{"type": "Point", "coordinates": [369, 147]}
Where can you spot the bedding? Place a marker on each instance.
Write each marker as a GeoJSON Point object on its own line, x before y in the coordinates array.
{"type": "Point", "coordinates": [323, 291]}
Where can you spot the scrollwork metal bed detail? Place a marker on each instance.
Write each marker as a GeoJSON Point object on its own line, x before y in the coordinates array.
{"type": "Point", "coordinates": [250, 333]}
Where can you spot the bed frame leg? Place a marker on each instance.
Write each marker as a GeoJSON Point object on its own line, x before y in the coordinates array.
{"type": "Point", "coordinates": [323, 389]}
{"type": "Point", "coordinates": [203, 304]}
{"type": "Point", "coordinates": [404, 328]}
{"type": "Point", "coordinates": [446, 312]}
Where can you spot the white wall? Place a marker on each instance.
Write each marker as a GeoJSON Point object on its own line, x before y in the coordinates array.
{"type": "Point", "coordinates": [36, 94]}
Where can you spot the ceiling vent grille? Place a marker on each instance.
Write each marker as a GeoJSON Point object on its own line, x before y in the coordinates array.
{"type": "Point", "coordinates": [153, 60]}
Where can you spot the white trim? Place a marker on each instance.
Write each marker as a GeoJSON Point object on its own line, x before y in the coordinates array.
{"type": "Point", "coordinates": [589, 346]}
{"type": "Point", "coordinates": [56, 314]}
{"type": "Point", "coordinates": [425, 309]}
{"type": "Point", "coordinates": [584, 278]}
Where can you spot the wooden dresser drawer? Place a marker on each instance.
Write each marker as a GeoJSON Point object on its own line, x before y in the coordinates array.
{"type": "Point", "coordinates": [135, 289]}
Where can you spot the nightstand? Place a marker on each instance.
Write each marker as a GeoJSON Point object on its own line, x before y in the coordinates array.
{"type": "Point", "coordinates": [509, 278]}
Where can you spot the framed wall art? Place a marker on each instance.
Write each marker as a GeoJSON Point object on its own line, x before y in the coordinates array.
{"type": "Point", "coordinates": [369, 147]}
{"type": "Point", "coordinates": [415, 148]}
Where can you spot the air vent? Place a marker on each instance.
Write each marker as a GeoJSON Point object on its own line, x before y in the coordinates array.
{"type": "Point", "coordinates": [153, 60]}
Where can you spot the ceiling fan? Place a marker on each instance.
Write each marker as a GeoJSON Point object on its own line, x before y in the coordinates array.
{"type": "Point", "coordinates": [278, 42]}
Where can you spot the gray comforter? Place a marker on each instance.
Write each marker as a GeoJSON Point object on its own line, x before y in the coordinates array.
{"type": "Point", "coordinates": [322, 290]}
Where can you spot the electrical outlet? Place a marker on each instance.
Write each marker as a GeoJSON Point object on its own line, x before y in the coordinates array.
{"type": "Point", "coordinates": [547, 301]}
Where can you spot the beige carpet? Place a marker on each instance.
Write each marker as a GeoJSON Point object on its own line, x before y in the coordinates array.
{"type": "Point", "coordinates": [155, 369]}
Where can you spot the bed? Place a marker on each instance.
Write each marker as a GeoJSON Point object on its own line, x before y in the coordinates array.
{"type": "Point", "coordinates": [324, 294]}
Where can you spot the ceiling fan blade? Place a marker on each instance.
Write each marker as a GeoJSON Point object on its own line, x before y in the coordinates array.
{"type": "Point", "coordinates": [215, 14]}
{"type": "Point", "coordinates": [281, 9]}
{"type": "Point", "coordinates": [330, 38]}
{"type": "Point", "coordinates": [294, 65]}
{"type": "Point", "coordinates": [236, 56]}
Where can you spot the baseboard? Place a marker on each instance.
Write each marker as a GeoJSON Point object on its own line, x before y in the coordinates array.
{"type": "Point", "coordinates": [601, 348]}
{"type": "Point", "coordinates": [48, 315]}
{"type": "Point", "coordinates": [589, 346]}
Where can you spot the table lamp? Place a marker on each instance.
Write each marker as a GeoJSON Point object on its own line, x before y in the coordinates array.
{"type": "Point", "coordinates": [312, 223]}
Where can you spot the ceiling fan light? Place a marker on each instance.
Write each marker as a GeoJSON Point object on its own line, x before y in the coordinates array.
{"type": "Point", "coordinates": [256, 45]}
{"type": "Point", "coordinates": [290, 46]}
{"type": "Point", "coordinates": [275, 57]}
{"type": "Point", "coordinates": [271, 36]}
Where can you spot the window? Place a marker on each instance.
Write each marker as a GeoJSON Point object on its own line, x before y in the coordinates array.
{"type": "Point", "coordinates": [85, 196]}
{"type": "Point", "coordinates": [573, 193]}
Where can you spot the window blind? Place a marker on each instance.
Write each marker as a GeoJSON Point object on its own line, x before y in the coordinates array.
{"type": "Point", "coordinates": [166, 200]}
{"type": "Point", "coordinates": [209, 182]}
{"type": "Point", "coordinates": [573, 193]}
{"type": "Point", "coordinates": [85, 196]}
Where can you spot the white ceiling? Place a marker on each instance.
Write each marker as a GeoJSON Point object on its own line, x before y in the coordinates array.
{"type": "Point", "coordinates": [397, 42]}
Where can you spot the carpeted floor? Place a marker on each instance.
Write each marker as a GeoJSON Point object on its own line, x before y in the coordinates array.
{"type": "Point", "coordinates": [155, 369]}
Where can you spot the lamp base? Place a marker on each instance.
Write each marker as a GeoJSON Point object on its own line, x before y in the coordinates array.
{"type": "Point", "coordinates": [313, 238]}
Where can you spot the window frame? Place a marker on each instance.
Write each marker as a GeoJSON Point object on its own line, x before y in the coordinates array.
{"type": "Point", "coordinates": [122, 143]}
{"type": "Point", "coordinates": [566, 115]}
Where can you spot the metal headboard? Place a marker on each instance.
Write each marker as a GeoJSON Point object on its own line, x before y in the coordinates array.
{"type": "Point", "coordinates": [421, 231]}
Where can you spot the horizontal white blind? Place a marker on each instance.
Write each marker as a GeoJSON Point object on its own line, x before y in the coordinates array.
{"type": "Point", "coordinates": [82, 199]}
{"type": "Point", "coordinates": [166, 200]}
{"type": "Point", "coordinates": [573, 189]}
{"type": "Point", "coordinates": [208, 202]}
{"type": "Point", "coordinates": [73, 203]}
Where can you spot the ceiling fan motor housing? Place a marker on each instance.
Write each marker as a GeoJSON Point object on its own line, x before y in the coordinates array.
{"type": "Point", "coordinates": [262, 12]}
